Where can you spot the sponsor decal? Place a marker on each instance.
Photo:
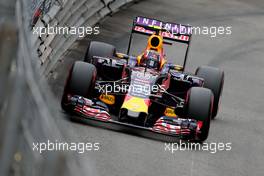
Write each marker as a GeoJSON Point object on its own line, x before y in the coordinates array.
{"type": "Point", "coordinates": [166, 34]}
{"type": "Point", "coordinates": [107, 99]}
{"type": "Point", "coordinates": [170, 112]}
{"type": "Point", "coordinates": [170, 27]}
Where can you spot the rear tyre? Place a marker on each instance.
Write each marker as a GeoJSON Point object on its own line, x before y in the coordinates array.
{"type": "Point", "coordinates": [214, 80]}
{"type": "Point", "coordinates": [99, 49]}
{"type": "Point", "coordinates": [198, 106]}
{"type": "Point", "coordinates": [80, 81]}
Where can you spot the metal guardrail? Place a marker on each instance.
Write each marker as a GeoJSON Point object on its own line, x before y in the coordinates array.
{"type": "Point", "coordinates": [8, 39]}
{"type": "Point", "coordinates": [26, 113]}
{"type": "Point", "coordinates": [25, 105]}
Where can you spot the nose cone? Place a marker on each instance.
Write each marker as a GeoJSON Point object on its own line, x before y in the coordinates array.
{"type": "Point", "coordinates": [136, 104]}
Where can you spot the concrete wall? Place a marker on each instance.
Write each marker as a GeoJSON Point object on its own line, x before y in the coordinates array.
{"type": "Point", "coordinates": [77, 13]}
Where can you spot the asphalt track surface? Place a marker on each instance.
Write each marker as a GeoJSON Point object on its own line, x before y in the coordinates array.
{"type": "Point", "coordinates": [240, 120]}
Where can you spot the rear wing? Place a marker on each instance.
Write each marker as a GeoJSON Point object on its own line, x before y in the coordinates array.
{"type": "Point", "coordinates": [170, 31]}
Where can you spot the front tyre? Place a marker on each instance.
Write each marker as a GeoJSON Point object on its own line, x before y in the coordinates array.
{"type": "Point", "coordinates": [198, 106]}
{"type": "Point", "coordinates": [81, 81]}
{"type": "Point", "coordinates": [214, 80]}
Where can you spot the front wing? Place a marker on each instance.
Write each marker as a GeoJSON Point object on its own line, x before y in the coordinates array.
{"type": "Point", "coordinates": [98, 114]}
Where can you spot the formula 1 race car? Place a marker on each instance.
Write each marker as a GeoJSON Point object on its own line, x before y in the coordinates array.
{"type": "Point", "coordinates": [145, 92]}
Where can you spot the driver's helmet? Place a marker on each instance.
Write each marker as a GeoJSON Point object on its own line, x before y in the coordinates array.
{"type": "Point", "coordinates": [151, 59]}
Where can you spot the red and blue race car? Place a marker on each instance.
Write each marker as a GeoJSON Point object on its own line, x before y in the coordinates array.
{"type": "Point", "coordinates": [146, 91]}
